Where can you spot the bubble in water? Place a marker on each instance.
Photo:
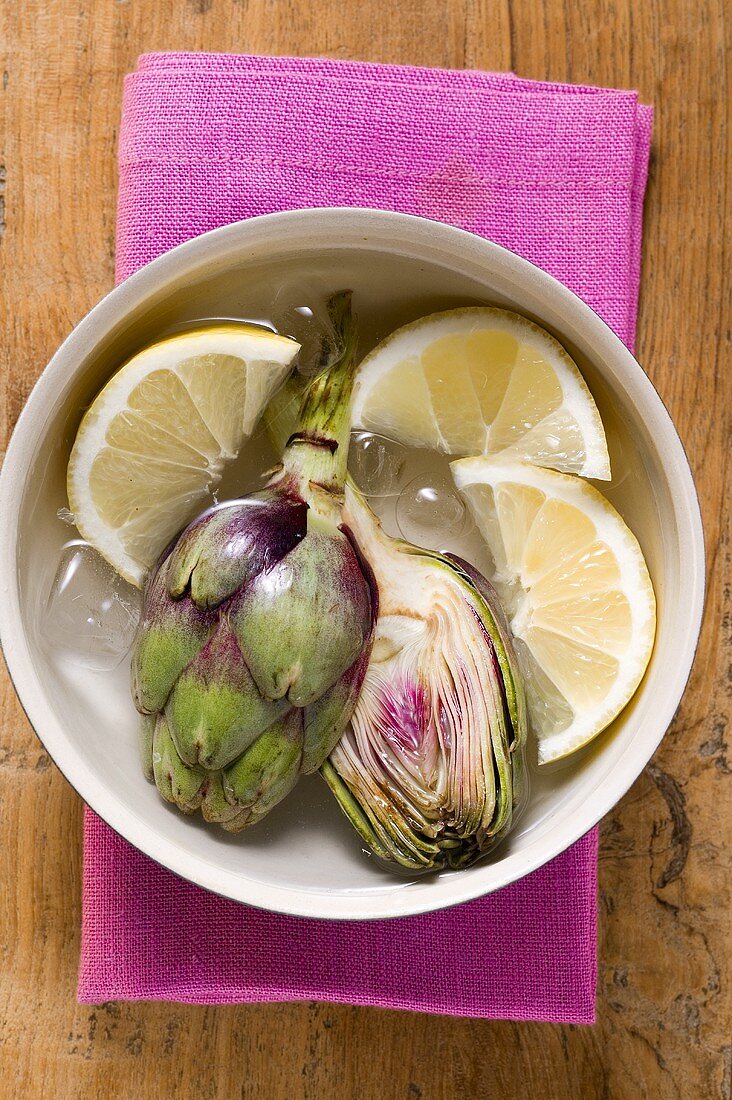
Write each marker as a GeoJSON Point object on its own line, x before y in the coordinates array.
{"type": "Point", "coordinates": [376, 463]}
{"type": "Point", "coordinates": [429, 512]}
{"type": "Point", "coordinates": [305, 318]}
{"type": "Point", "coordinates": [91, 613]}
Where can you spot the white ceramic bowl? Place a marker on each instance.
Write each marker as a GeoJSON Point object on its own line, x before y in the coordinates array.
{"type": "Point", "coordinates": [305, 859]}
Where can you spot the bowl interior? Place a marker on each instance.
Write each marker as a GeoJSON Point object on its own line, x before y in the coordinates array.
{"type": "Point", "coordinates": [306, 848]}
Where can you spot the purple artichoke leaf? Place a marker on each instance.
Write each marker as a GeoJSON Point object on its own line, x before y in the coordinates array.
{"type": "Point", "coordinates": [232, 543]}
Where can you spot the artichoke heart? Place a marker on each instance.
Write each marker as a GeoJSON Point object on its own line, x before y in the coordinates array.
{"type": "Point", "coordinates": [431, 770]}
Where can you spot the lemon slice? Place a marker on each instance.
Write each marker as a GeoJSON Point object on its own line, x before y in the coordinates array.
{"type": "Point", "coordinates": [155, 441]}
{"type": "Point", "coordinates": [576, 588]}
{"type": "Point", "coordinates": [482, 381]}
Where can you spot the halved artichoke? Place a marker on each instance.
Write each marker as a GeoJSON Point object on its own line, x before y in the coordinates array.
{"type": "Point", "coordinates": [431, 770]}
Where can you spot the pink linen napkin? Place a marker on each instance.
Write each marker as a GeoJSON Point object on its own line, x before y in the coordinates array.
{"type": "Point", "coordinates": [555, 173]}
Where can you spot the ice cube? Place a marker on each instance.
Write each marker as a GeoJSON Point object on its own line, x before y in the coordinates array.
{"type": "Point", "coordinates": [66, 517]}
{"type": "Point", "coordinates": [91, 613]}
{"type": "Point", "coordinates": [376, 464]}
{"type": "Point", "coordinates": [429, 513]}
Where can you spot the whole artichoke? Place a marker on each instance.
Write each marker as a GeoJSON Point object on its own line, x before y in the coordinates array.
{"type": "Point", "coordinates": [257, 625]}
{"type": "Point", "coordinates": [431, 771]}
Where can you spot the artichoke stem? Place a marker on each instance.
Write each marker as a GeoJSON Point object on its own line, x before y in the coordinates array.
{"type": "Point", "coordinates": [317, 451]}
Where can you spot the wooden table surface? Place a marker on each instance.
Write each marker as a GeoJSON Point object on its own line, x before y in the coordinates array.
{"type": "Point", "coordinates": [664, 1006]}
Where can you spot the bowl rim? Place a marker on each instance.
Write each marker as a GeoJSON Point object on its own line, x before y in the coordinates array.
{"type": "Point", "coordinates": [212, 247]}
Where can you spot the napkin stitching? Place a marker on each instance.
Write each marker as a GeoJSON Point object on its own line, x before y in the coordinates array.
{"type": "Point", "coordinates": [387, 173]}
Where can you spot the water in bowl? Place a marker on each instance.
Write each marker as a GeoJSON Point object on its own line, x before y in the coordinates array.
{"type": "Point", "coordinates": [409, 489]}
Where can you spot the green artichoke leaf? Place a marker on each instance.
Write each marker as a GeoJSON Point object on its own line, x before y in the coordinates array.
{"type": "Point", "coordinates": [327, 718]}
{"type": "Point", "coordinates": [170, 635]}
{"type": "Point", "coordinates": [302, 624]}
{"type": "Point", "coordinates": [215, 710]}
{"type": "Point", "coordinates": [245, 792]}
{"type": "Point", "coordinates": [176, 781]}
{"type": "Point", "coordinates": [267, 771]}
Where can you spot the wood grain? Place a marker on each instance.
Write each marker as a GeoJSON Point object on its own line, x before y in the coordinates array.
{"type": "Point", "coordinates": [664, 1003]}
